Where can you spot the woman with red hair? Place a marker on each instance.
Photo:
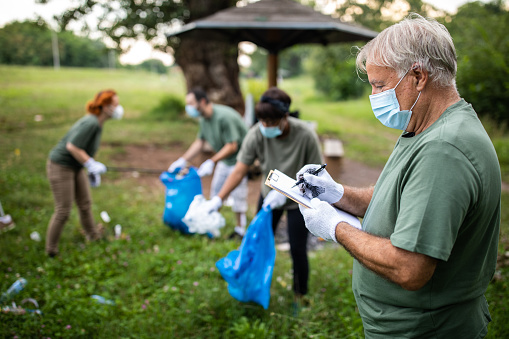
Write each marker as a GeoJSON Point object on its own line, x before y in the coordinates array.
{"type": "Point", "coordinates": [64, 167]}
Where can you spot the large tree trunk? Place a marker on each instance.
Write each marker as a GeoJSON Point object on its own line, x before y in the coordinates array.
{"type": "Point", "coordinates": [211, 65]}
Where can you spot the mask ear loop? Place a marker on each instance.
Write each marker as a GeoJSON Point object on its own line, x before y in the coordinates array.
{"type": "Point", "coordinates": [414, 67]}
{"type": "Point", "coordinates": [402, 78]}
{"type": "Point", "coordinates": [411, 108]}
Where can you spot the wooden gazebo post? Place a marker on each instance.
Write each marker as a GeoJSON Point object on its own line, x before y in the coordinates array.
{"type": "Point", "coordinates": [273, 39]}
{"type": "Point", "coordinates": [272, 64]}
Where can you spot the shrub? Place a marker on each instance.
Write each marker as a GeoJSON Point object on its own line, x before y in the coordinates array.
{"type": "Point", "coordinates": [170, 108]}
{"type": "Point", "coordinates": [335, 74]}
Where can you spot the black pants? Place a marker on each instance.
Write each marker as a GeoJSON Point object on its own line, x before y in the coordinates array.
{"type": "Point", "coordinates": [298, 236]}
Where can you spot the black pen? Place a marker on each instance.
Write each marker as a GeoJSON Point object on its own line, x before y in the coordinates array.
{"type": "Point", "coordinates": [314, 173]}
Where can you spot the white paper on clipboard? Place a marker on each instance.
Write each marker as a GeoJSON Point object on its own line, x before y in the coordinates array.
{"type": "Point", "coordinates": [284, 184]}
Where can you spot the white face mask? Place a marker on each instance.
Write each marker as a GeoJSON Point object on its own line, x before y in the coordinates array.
{"type": "Point", "coordinates": [118, 112]}
{"type": "Point", "coordinates": [385, 106]}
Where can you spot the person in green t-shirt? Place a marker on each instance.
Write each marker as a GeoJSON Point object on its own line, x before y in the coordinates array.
{"type": "Point", "coordinates": [285, 143]}
{"type": "Point", "coordinates": [224, 130]}
{"type": "Point", "coordinates": [64, 168]}
{"type": "Point", "coordinates": [428, 245]}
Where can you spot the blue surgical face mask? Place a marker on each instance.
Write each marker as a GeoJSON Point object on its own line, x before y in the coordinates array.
{"type": "Point", "coordinates": [192, 111]}
{"type": "Point", "coordinates": [270, 132]}
{"type": "Point", "coordinates": [385, 106]}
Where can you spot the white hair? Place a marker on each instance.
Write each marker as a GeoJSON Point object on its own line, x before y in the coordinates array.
{"type": "Point", "coordinates": [414, 40]}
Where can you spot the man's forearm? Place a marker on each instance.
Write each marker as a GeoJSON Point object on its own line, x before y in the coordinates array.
{"type": "Point", "coordinates": [227, 150]}
{"type": "Point", "coordinates": [408, 269]}
{"type": "Point", "coordinates": [355, 200]}
{"type": "Point", "coordinates": [193, 150]}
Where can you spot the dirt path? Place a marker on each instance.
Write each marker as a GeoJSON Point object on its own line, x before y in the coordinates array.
{"type": "Point", "coordinates": [346, 171]}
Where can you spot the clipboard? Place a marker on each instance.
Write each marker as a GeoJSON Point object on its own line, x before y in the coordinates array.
{"type": "Point", "coordinates": [283, 184]}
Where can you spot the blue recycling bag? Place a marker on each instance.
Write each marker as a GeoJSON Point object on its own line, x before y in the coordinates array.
{"type": "Point", "coordinates": [180, 192]}
{"type": "Point", "coordinates": [248, 270]}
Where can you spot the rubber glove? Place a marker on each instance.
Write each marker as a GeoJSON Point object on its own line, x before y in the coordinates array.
{"type": "Point", "coordinates": [274, 199]}
{"type": "Point", "coordinates": [94, 167]}
{"type": "Point", "coordinates": [320, 186]}
{"type": "Point", "coordinates": [212, 205]}
{"type": "Point", "coordinates": [321, 220]}
{"type": "Point", "coordinates": [94, 179]}
{"type": "Point", "coordinates": [179, 163]}
{"type": "Point", "coordinates": [206, 168]}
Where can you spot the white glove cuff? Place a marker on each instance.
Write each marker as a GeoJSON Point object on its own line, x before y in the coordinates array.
{"type": "Point", "coordinates": [332, 233]}
{"type": "Point", "coordinates": [89, 162]}
{"type": "Point", "coordinates": [341, 191]}
{"type": "Point", "coordinates": [217, 202]}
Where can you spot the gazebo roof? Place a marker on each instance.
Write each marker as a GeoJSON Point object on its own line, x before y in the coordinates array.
{"type": "Point", "coordinates": [274, 25]}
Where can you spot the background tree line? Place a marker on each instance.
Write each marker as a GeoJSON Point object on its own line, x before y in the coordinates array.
{"type": "Point", "coordinates": [478, 30]}
{"type": "Point", "coordinates": [30, 43]}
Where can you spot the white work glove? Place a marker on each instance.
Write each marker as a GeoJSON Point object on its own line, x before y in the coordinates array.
{"type": "Point", "coordinates": [206, 168]}
{"type": "Point", "coordinates": [94, 179]}
{"type": "Point", "coordinates": [212, 205]}
{"type": "Point", "coordinates": [179, 163]}
{"type": "Point", "coordinates": [320, 186]}
{"type": "Point", "coordinates": [274, 199]}
{"type": "Point", "coordinates": [94, 167]}
{"type": "Point", "coordinates": [321, 220]}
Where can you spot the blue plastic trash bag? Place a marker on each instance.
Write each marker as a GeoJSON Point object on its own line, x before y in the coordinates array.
{"type": "Point", "coordinates": [180, 192]}
{"type": "Point", "coordinates": [248, 270]}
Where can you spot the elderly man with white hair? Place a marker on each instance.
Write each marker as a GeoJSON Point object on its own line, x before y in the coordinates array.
{"type": "Point", "coordinates": [428, 245]}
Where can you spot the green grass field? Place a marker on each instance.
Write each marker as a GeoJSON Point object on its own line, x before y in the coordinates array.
{"type": "Point", "coordinates": [164, 284]}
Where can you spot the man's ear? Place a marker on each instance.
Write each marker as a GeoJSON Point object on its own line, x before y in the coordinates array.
{"type": "Point", "coordinates": [421, 76]}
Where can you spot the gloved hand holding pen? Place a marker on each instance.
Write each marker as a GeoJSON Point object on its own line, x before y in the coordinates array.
{"type": "Point", "coordinates": [321, 185]}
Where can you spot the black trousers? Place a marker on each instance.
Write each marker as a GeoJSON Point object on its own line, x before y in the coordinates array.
{"type": "Point", "coordinates": [298, 236]}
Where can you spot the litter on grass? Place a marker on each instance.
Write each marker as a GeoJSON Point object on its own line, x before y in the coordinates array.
{"type": "Point", "coordinates": [102, 300]}
{"type": "Point", "coordinates": [35, 236]}
{"type": "Point", "coordinates": [105, 217]}
{"type": "Point", "coordinates": [203, 223]}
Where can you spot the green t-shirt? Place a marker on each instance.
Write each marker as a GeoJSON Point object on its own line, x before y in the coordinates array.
{"type": "Point", "coordinates": [84, 134]}
{"type": "Point", "coordinates": [289, 154]}
{"type": "Point", "coordinates": [225, 126]}
{"type": "Point", "coordinates": [439, 195]}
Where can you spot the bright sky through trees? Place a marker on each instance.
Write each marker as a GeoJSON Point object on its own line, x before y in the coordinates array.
{"type": "Point", "coordinates": [21, 10]}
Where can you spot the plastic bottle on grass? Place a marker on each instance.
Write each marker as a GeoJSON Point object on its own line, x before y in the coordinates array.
{"type": "Point", "coordinates": [118, 231]}
{"type": "Point", "coordinates": [13, 290]}
{"type": "Point", "coordinates": [102, 300]}
{"type": "Point", "coordinates": [19, 310]}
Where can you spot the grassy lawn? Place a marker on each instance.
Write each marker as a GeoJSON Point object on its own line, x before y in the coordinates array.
{"type": "Point", "coordinates": [165, 284]}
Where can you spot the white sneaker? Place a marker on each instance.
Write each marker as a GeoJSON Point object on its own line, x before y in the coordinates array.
{"type": "Point", "coordinates": [240, 231]}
